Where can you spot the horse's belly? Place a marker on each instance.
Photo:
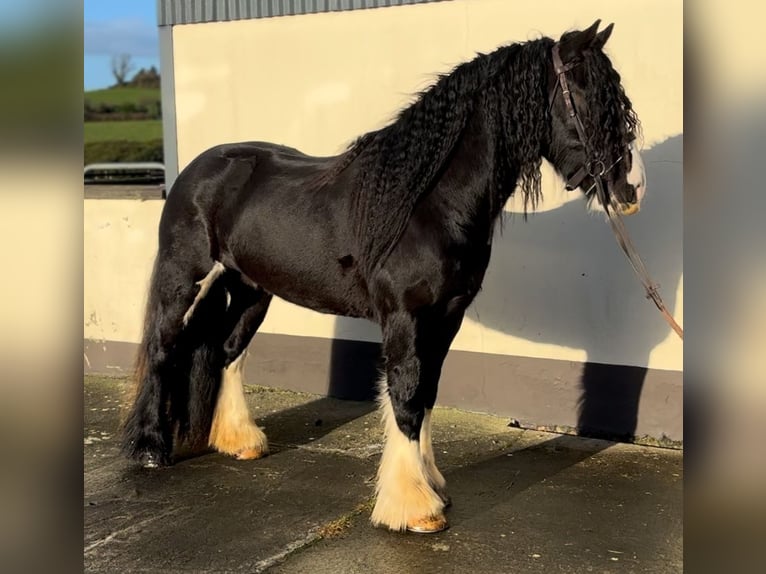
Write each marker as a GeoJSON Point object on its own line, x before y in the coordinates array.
{"type": "Point", "coordinates": [308, 279]}
{"type": "Point", "coordinates": [295, 244]}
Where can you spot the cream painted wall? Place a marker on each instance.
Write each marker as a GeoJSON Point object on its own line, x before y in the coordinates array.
{"type": "Point", "coordinates": [120, 242]}
{"type": "Point", "coordinates": [557, 286]}
{"type": "Point", "coordinates": [318, 81]}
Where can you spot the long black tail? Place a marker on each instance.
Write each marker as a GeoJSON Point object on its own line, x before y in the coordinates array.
{"type": "Point", "coordinates": [178, 367]}
{"type": "Point", "coordinates": [145, 436]}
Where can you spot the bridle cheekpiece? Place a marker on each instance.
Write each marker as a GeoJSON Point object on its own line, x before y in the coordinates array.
{"type": "Point", "coordinates": [596, 169]}
{"type": "Point", "coordinates": [594, 166]}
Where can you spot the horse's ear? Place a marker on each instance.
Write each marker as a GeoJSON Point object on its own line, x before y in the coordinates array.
{"type": "Point", "coordinates": [603, 36]}
{"type": "Point", "coordinates": [590, 34]}
{"type": "Point", "coordinates": [574, 43]}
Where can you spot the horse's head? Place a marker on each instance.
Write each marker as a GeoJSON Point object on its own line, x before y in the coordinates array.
{"type": "Point", "coordinates": [593, 125]}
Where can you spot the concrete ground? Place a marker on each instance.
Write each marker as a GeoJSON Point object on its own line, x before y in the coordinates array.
{"type": "Point", "coordinates": [523, 501]}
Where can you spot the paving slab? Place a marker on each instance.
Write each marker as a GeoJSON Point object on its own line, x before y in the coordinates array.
{"type": "Point", "coordinates": [523, 501]}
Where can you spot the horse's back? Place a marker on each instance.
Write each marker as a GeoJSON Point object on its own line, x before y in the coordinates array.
{"type": "Point", "coordinates": [256, 154]}
{"type": "Point", "coordinates": [229, 177]}
{"type": "Point", "coordinates": [271, 212]}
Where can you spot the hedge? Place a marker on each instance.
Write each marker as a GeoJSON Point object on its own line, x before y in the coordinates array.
{"type": "Point", "coordinates": [123, 151]}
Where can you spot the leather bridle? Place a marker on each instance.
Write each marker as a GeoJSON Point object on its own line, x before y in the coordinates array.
{"type": "Point", "coordinates": [596, 169]}
{"type": "Point", "coordinates": [594, 165]}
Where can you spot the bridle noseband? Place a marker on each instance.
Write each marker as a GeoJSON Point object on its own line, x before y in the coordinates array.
{"type": "Point", "coordinates": [596, 169]}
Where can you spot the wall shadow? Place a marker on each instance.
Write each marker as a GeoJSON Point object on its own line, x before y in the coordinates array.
{"type": "Point", "coordinates": [310, 422]}
{"type": "Point", "coordinates": [355, 366]}
{"type": "Point", "coordinates": [511, 472]}
{"type": "Point", "coordinates": [561, 279]}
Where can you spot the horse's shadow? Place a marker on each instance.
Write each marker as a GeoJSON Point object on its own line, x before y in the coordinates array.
{"type": "Point", "coordinates": [561, 279]}
{"type": "Point", "coordinates": [551, 280]}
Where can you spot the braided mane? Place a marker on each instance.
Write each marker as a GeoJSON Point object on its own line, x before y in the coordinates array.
{"type": "Point", "coordinates": [400, 163]}
{"type": "Point", "coordinates": [612, 121]}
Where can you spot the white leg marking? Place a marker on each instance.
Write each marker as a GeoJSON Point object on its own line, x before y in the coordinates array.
{"type": "Point", "coordinates": [403, 493]}
{"type": "Point", "coordinates": [435, 478]}
{"type": "Point", "coordinates": [204, 286]}
{"type": "Point", "coordinates": [637, 174]}
{"type": "Point", "coordinates": [233, 431]}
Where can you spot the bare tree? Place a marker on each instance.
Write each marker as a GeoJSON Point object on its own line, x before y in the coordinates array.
{"type": "Point", "coordinates": [122, 65]}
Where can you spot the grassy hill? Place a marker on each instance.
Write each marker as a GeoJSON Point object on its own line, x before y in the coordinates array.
{"type": "Point", "coordinates": [119, 96]}
{"type": "Point", "coordinates": [124, 126]}
{"type": "Point", "coordinates": [135, 131]}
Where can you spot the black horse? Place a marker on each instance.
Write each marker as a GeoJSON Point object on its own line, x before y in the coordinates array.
{"type": "Point", "coordinates": [397, 230]}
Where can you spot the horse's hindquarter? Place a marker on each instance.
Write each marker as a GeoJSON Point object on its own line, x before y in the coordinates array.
{"type": "Point", "coordinates": [291, 238]}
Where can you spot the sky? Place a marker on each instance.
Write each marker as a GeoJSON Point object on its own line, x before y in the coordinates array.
{"type": "Point", "coordinates": [116, 27]}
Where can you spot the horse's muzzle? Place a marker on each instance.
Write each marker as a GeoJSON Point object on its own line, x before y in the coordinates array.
{"type": "Point", "coordinates": [629, 208]}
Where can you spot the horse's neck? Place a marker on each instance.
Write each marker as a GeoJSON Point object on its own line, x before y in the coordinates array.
{"type": "Point", "coordinates": [501, 168]}
{"type": "Point", "coordinates": [467, 189]}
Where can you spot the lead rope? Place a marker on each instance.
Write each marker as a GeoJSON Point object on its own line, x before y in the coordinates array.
{"type": "Point", "coordinates": [623, 239]}
{"type": "Point", "coordinates": [596, 171]}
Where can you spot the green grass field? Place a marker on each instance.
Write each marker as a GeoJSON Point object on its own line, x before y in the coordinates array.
{"type": "Point", "coordinates": [115, 96]}
{"type": "Point", "coordinates": [143, 130]}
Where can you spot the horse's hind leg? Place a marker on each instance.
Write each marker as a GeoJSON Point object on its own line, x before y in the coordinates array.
{"type": "Point", "coordinates": [233, 430]}
{"type": "Point", "coordinates": [163, 366]}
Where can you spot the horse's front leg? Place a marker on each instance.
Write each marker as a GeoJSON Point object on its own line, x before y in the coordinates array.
{"type": "Point", "coordinates": [405, 497]}
{"type": "Point", "coordinates": [435, 335]}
